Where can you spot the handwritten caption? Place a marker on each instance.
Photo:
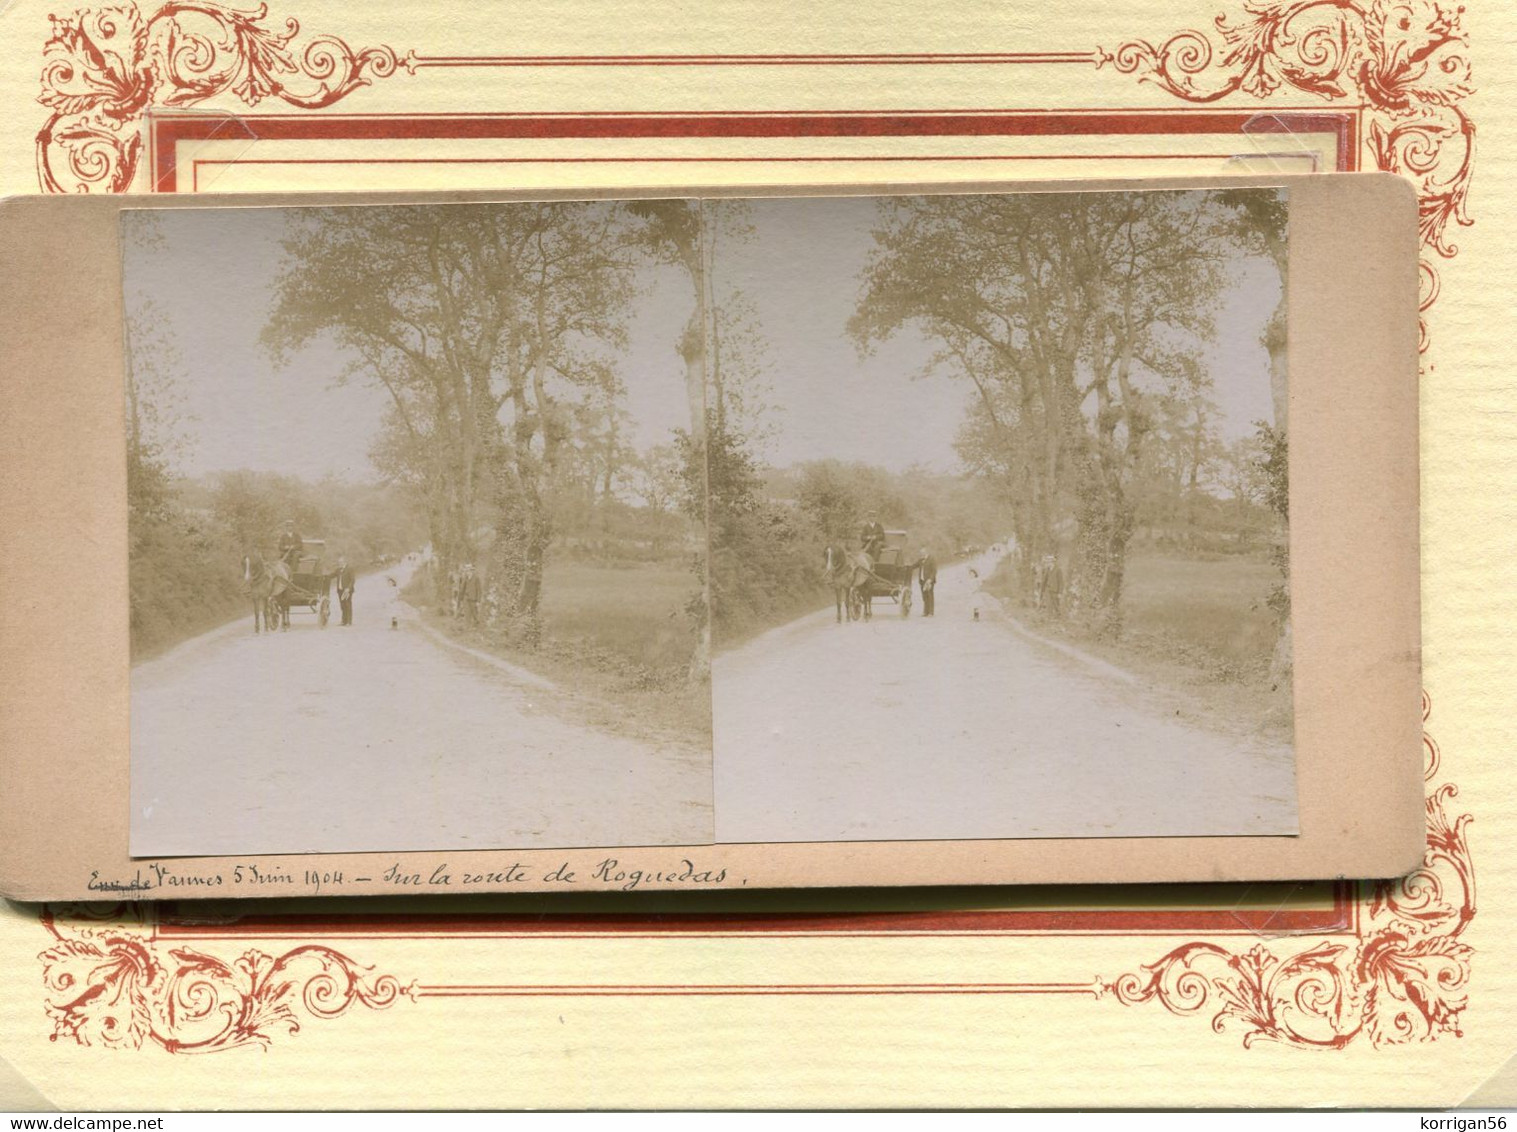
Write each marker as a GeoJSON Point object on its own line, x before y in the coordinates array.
{"type": "Point", "coordinates": [608, 873]}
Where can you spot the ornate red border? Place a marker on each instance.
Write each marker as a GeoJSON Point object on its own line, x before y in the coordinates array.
{"type": "Point", "coordinates": [1400, 975]}
{"type": "Point", "coordinates": [103, 69]}
{"type": "Point", "coordinates": [1405, 64]}
{"type": "Point", "coordinates": [1403, 976]}
{"type": "Point", "coordinates": [108, 983]}
{"type": "Point", "coordinates": [169, 130]}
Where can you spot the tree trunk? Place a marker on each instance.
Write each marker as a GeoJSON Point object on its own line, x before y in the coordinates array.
{"type": "Point", "coordinates": [1119, 528]}
{"type": "Point", "coordinates": [539, 534]}
{"type": "Point", "coordinates": [692, 350]}
{"type": "Point", "coordinates": [1275, 342]}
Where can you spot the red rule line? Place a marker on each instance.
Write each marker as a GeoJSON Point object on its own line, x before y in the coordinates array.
{"type": "Point", "coordinates": [221, 163]}
{"type": "Point", "coordinates": [414, 61]}
{"type": "Point", "coordinates": [168, 130]}
{"type": "Point", "coordinates": [819, 159]}
{"type": "Point", "coordinates": [419, 991]}
{"type": "Point", "coordinates": [1330, 119]}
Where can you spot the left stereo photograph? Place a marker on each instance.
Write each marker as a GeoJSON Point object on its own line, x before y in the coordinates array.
{"type": "Point", "coordinates": [416, 515]}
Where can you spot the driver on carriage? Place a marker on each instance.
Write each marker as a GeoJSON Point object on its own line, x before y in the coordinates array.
{"type": "Point", "coordinates": [872, 536]}
{"type": "Point", "coordinates": [290, 545]}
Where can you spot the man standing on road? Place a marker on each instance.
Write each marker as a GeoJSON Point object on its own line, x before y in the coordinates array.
{"type": "Point", "coordinates": [345, 581]}
{"type": "Point", "coordinates": [927, 576]}
{"type": "Point", "coordinates": [471, 594]}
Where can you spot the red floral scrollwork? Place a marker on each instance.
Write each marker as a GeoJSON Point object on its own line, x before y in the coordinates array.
{"type": "Point", "coordinates": [1301, 999]}
{"type": "Point", "coordinates": [108, 985]}
{"type": "Point", "coordinates": [104, 68]}
{"type": "Point", "coordinates": [1406, 61]}
{"type": "Point", "coordinates": [1404, 978]}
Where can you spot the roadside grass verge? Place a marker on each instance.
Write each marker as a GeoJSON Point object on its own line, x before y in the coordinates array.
{"type": "Point", "coordinates": [1198, 626]}
{"type": "Point", "coordinates": [1210, 615]}
{"type": "Point", "coordinates": [616, 633]}
{"type": "Point", "coordinates": [635, 613]}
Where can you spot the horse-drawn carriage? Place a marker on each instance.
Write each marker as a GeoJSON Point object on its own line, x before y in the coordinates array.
{"type": "Point", "coordinates": [310, 587]}
{"type": "Point", "coordinates": [278, 588]}
{"type": "Point", "coordinates": [891, 577]}
{"type": "Point", "coordinates": [858, 579]}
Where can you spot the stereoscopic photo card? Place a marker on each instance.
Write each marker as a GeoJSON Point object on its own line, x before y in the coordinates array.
{"type": "Point", "coordinates": [719, 539]}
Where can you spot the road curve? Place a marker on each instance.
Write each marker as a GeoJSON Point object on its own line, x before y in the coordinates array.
{"type": "Point", "coordinates": [370, 738]}
{"type": "Point", "coordinates": [952, 727]}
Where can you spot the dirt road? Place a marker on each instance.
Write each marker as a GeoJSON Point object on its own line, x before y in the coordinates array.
{"type": "Point", "coordinates": [954, 728]}
{"type": "Point", "coordinates": [372, 738]}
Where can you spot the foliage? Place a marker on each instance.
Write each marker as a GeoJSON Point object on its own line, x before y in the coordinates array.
{"type": "Point", "coordinates": [493, 332]}
{"type": "Point", "coordinates": [1206, 614]}
{"type": "Point", "coordinates": [768, 536]}
{"type": "Point", "coordinates": [1080, 322]}
{"type": "Point", "coordinates": [1272, 465]}
{"type": "Point", "coordinates": [187, 557]}
{"type": "Point", "coordinates": [182, 579]}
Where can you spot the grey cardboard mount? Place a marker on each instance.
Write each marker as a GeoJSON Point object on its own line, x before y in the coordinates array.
{"type": "Point", "coordinates": [1353, 357]}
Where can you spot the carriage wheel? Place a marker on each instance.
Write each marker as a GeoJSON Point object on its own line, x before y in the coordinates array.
{"type": "Point", "coordinates": [324, 614]}
{"type": "Point", "coordinates": [906, 602]}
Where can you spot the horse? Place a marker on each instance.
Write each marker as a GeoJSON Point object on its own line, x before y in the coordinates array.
{"type": "Point", "coordinates": [863, 574]}
{"type": "Point", "coordinates": [838, 576]}
{"type": "Point", "coordinates": [266, 585]}
{"type": "Point", "coordinates": [849, 573]}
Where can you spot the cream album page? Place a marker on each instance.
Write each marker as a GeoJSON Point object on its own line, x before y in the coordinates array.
{"type": "Point", "coordinates": [873, 515]}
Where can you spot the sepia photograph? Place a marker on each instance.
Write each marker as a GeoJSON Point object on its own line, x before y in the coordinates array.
{"type": "Point", "coordinates": [417, 528]}
{"type": "Point", "coordinates": [999, 517]}
{"type": "Point", "coordinates": [666, 522]}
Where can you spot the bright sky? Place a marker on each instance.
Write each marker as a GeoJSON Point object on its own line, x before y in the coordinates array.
{"type": "Point", "coordinates": [212, 275]}
{"type": "Point", "coordinates": [802, 273]}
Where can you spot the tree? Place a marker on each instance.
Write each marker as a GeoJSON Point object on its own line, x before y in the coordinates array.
{"type": "Point", "coordinates": [603, 447]}
{"type": "Point", "coordinates": [836, 496]}
{"type": "Point", "coordinates": [165, 547]}
{"type": "Point", "coordinates": [715, 455]}
{"type": "Point", "coordinates": [152, 367]}
{"type": "Point", "coordinates": [656, 478]}
{"type": "Point", "coordinates": [673, 232]}
{"type": "Point", "coordinates": [247, 509]}
{"type": "Point", "coordinates": [485, 324]}
{"type": "Point", "coordinates": [829, 495]}
{"type": "Point", "coordinates": [1079, 320]}
{"type": "Point", "coordinates": [688, 234]}
{"type": "Point", "coordinates": [1155, 277]}
{"type": "Point", "coordinates": [1261, 223]}
{"type": "Point", "coordinates": [974, 273]}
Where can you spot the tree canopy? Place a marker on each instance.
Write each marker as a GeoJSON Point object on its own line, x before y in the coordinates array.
{"type": "Point", "coordinates": [1081, 321]}
{"type": "Point", "coordinates": [492, 330]}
